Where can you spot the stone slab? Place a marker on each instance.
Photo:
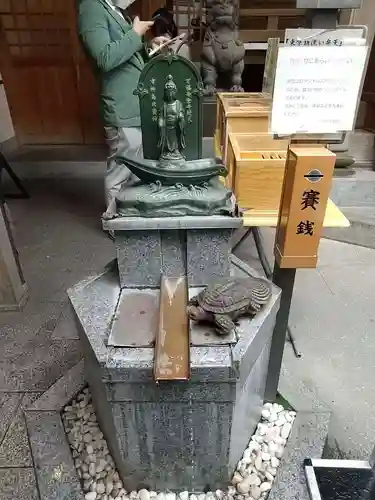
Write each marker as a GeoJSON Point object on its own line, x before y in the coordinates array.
{"type": "Point", "coordinates": [59, 482]}
{"type": "Point", "coordinates": [208, 255]}
{"type": "Point", "coordinates": [62, 391]}
{"type": "Point", "coordinates": [307, 440]}
{"type": "Point", "coordinates": [66, 326]}
{"type": "Point", "coordinates": [138, 310]}
{"type": "Point", "coordinates": [95, 301]}
{"type": "Point", "coordinates": [18, 484]}
{"type": "Point", "coordinates": [189, 222]}
{"type": "Point", "coordinates": [57, 478]}
{"type": "Point", "coordinates": [8, 407]}
{"type": "Point", "coordinates": [15, 450]}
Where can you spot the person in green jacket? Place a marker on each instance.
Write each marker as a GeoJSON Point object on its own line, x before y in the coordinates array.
{"type": "Point", "coordinates": [116, 45]}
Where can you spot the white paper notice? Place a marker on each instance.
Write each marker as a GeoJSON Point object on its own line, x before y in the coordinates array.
{"type": "Point", "coordinates": [316, 89]}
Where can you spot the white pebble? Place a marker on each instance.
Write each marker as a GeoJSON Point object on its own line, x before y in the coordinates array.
{"type": "Point", "coordinates": [90, 496]}
{"type": "Point", "coordinates": [202, 496]}
{"type": "Point", "coordinates": [144, 494]}
{"type": "Point", "coordinates": [161, 496]}
{"type": "Point", "coordinates": [272, 471]}
{"type": "Point", "coordinates": [237, 478]}
{"type": "Point", "coordinates": [265, 447]}
{"type": "Point", "coordinates": [87, 438]}
{"type": "Point", "coordinates": [265, 487]}
{"type": "Point", "coordinates": [101, 465]}
{"type": "Point", "coordinates": [87, 483]}
{"type": "Point", "coordinates": [170, 496]}
{"type": "Point", "coordinates": [258, 463]}
{"type": "Point", "coordinates": [279, 452]}
{"type": "Point", "coordinates": [267, 406]}
{"type": "Point", "coordinates": [258, 439]}
{"type": "Point", "coordinates": [231, 490]}
{"type": "Point", "coordinates": [266, 414]}
{"type": "Point", "coordinates": [261, 429]}
{"type": "Point", "coordinates": [92, 470]}
{"type": "Point", "coordinates": [100, 488]}
{"type": "Point", "coordinates": [292, 413]}
{"type": "Point", "coordinates": [89, 449]}
{"type": "Point", "coordinates": [255, 492]}
{"type": "Point", "coordinates": [219, 494]}
{"type": "Point", "coordinates": [272, 448]}
{"type": "Point", "coordinates": [277, 408]}
{"type": "Point", "coordinates": [266, 457]}
{"type": "Point", "coordinates": [273, 417]}
{"type": "Point", "coordinates": [275, 462]}
{"type": "Point", "coordinates": [245, 485]}
{"type": "Point", "coordinates": [280, 421]}
{"type": "Point", "coordinates": [184, 495]}
{"type": "Point", "coordinates": [285, 431]}
{"type": "Point", "coordinates": [288, 417]}
{"type": "Point", "coordinates": [253, 446]}
{"type": "Point", "coordinates": [193, 497]}
{"type": "Point", "coordinates": [269, 477]}
{"type": "Point", "coordinates": [153, 494]}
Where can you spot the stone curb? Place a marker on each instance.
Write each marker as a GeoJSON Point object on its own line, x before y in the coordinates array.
{"type": "Point", "coordinates": [307, 440]}
{"type": "Point", "coordinates": [54, 467]}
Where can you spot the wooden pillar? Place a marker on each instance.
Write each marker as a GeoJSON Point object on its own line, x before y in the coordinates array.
{"type": "Point", "coordinates": [13, 289]}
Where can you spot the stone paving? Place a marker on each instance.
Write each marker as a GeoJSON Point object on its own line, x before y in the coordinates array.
{"type": "Point", "coordinates": [60, 242]}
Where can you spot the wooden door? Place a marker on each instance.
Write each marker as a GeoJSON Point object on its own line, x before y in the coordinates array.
{"type": "Point", "coordinates": [51, 90]}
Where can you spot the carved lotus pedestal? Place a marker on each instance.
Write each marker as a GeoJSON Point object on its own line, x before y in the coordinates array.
{"type": "Point", "coordinates": [181, 435]}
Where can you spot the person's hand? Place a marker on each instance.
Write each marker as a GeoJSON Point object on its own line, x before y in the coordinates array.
{"type": "Point", "coordinates": [159, 40]}
{"type": "Point", "coordinates": [141, 27]}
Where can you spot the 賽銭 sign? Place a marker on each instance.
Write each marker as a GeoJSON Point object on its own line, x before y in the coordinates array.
{"type": "Point", "coordinates": [316, 89]}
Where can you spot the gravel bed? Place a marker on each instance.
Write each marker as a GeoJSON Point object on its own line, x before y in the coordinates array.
{"type": "Point", "coordinates": [100, 480]}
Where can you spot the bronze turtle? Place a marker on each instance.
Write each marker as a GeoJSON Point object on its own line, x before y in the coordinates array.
{"type": "Point", "coordinates": [223, 302]}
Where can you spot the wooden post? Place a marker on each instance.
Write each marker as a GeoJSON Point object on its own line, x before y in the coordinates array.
{"type": "Point", "coordinates": [307, 182]}
{"type": "Point", "coordinates": [13, 289]}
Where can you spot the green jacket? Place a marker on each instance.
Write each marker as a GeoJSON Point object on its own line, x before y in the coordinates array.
{"type": "Point", "coordinates": [118, 53]}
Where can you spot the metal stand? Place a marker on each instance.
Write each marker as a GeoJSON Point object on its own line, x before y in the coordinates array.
{"type": "Point", "coordinates": [4, 165]}
{"type": "Point", "coordinates": [283, 278]}
{"type": "Point", "coordinates": [268, 272]}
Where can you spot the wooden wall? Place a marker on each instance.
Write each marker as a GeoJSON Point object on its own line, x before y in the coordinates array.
{"type": "Point", "coordinates": [51, 89]}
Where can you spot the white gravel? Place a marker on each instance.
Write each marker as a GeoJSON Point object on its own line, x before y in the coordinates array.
{"type": "Point", "coordinates": [100, 480]}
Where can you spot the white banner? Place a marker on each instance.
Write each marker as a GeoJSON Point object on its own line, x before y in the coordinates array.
{"type": "Point", "coordinates": [316, 89]}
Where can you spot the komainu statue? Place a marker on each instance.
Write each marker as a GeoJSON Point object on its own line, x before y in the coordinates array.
{"type": "Point", "coordinates": [223, 53]}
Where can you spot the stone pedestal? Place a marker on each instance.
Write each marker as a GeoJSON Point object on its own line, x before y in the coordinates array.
{"type": "Point", "coordinates": [198, 247]}
{"type": "Point", "coordinates": [186, 435]}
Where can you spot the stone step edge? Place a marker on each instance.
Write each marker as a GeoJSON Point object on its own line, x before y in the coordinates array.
{"type": "Point", "coordinates": [307, 440]}
{"type": "Point", "coordinates": [42, 416]}
{"type": "Point", "coordinates": [62, 391]}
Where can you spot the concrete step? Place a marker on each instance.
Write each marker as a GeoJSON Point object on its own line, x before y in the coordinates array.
{"type": "Point", "coordinates": [361, 145]}
{"type": "Point", "coordinates": [362, 229]}
{"type": "Point", "coordinates": [357, 190]}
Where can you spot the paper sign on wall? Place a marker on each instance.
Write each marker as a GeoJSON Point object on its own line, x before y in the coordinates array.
{"type": "Point", "coordinates": [316, 89]}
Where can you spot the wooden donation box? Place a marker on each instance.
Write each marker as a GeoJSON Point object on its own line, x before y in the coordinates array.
{"type": "Point", "coordinates": [256, 165]}
{"type": "Point", "coordinates": [240, 113]}
{"type": "Point", "coordinates": [306, 187]}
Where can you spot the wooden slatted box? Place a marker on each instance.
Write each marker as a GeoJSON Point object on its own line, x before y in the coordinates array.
{"type": "Point", "coordinates": [240, 113]}
{"type": "Point", "coordinates": [256, 165]}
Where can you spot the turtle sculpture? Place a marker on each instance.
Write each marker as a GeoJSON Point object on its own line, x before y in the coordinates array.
{"type": "Point", "coordinates": [223, 302]}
